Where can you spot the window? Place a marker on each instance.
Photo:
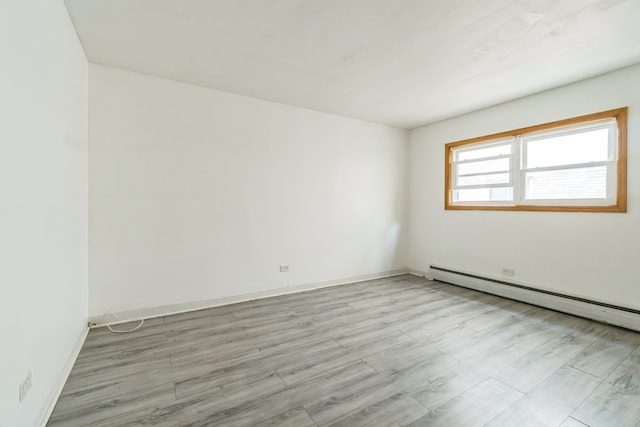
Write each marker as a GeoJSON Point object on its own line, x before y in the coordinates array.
{"type": "Point", "coordinates": [578, 164]}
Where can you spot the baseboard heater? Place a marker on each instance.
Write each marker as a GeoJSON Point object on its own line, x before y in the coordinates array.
{"type": "Point", "coordinates": [583, 307]}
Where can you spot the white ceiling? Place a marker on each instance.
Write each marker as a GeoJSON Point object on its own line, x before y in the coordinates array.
{"type": "Point", "coordinates": [399, 62]}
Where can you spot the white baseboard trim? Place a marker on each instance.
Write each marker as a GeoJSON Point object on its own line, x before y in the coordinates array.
{"type": "Point", "coordinates": [619, 316]}
{"type": "Point", "coordinates": [166, 310]}
{"type": "Point", "coordinates": [62, 379]}
{"type": "Point", "coordinates": [420, 274]}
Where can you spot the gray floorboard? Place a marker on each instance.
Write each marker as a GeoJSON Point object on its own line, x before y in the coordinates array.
{"type": "Point", "coordinates": [401, 351]}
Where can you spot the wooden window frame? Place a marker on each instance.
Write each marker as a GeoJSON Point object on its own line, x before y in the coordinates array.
{"type": "Point", "coordinates": [620, 205]}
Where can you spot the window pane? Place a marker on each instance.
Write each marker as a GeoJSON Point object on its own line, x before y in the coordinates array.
{"type": "Point", "coordinates": [494, 178]}
{"type": "Point", "coordinates": [496, 165]}
{"type": "Point", "coordinates": [584, 147]}
{"type": "Point", "coordinates": [579, 183]}
{"type": "Point", "coordinates": [503, 194]}
{"type": "Point", "coordinates": [484, 151]}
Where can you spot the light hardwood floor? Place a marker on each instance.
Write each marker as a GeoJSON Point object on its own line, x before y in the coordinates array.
{"type": "Point", "coordinates": [402, 351]}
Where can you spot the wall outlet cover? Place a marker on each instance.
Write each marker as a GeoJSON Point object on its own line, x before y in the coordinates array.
{"type": "Point", "coordinates": [508, 272]}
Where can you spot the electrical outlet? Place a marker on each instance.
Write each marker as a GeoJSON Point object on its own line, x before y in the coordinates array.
{"type": "Point", "coordinates": [508, 272]}
{"type": "Point", "coordinates": [284, 269]}
{"type": "Point", "coordinates": [25, 386]}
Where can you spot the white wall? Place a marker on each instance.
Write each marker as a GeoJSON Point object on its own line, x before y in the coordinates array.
{"type": "Point", "coordinates": [197, 194]}
{"type": "Point", "coordinates": [43, 207]}
{"type": "Point", "coordinates": [592, 255]}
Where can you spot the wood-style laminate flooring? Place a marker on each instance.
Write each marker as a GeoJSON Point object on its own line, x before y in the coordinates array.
{"type": "Point", "coordinates": [401, 351]}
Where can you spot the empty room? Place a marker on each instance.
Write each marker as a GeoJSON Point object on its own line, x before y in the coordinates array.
{"type": "Point", "coordinates": [315, 213]}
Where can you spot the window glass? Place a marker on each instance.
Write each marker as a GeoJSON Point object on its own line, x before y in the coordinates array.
{"type": "Point", "coordinates": [581, 147]}
{"type": "Point", "coordinates": [494, 178]}
{"type": "Point", "coordinates": [501, 194]}
{"type": "Point", "coordinates": [483, 151]}
{"type": "Point", "coordinates": [495, 165]}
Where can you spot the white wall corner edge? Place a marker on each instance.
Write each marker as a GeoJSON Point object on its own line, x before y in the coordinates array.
{"type": "Point", "coordinates": [62, 379]}
{"type": "Point", "coordinates": [167, 310]}
{"type": "Point", "coordinates": [588, 310]}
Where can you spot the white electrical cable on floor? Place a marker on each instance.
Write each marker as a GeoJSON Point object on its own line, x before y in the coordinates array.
{"type": "Point", "coordinates": [115, 331]}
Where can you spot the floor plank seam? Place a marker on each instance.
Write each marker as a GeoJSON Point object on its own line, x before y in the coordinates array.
{"type": "Point", "coordinates": [600, 379]}
{"type": "Point", "coordinates": [370, 367]}
{"type": "Point", "coordinates": [584, 424]}
{"type": "Point", "coordinates": [310, 417]}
